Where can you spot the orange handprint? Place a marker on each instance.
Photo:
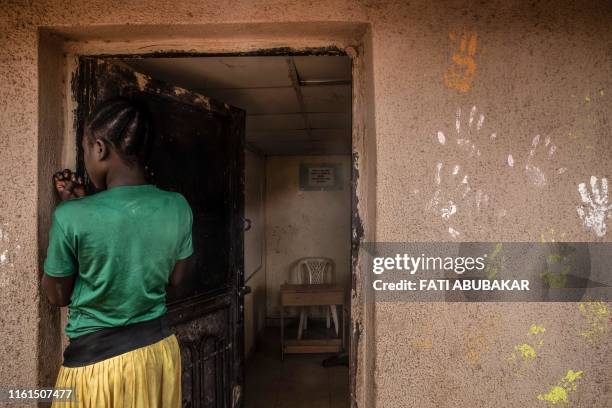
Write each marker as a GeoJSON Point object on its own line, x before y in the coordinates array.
{"type": "Point", "coordinates": [460, 74]}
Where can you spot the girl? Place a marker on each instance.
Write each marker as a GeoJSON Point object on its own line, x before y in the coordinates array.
{"type": "Point", "coordinates": [110, 257]}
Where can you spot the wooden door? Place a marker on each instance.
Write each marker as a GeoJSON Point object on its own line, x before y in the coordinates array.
{"type": "Point", "coordinates": [199, 152]}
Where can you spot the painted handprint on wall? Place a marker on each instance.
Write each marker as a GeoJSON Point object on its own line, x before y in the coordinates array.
{"type": "Point", "coordinates": [467, 131]}
{"type": "Point", "coordinates": [595, 208]}
{"type": "Point", "coordinates": [539, 154]}
{"type": "Point", "coordinates": [453, 191]}
{"type": "Point", "coordinates": [460, 73]}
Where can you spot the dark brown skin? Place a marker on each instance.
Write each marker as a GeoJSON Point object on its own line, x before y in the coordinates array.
{"type": "Point", "coordinates": [106, 169]}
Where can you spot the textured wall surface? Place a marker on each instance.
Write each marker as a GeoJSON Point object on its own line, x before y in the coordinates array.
{"type": "Point", "coordinates": [540, 68]}
{"type": "Point", "coordinates": [476, 110]}
{"type": "Point", "coordinates": [303, 224]}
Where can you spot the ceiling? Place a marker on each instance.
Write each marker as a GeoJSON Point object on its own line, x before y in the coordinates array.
{"type": "Point", "coordinates": [294, 104]}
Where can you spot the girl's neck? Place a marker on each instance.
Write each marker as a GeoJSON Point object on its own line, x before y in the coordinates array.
{"type": "Point", "coordinates": [125, 176]}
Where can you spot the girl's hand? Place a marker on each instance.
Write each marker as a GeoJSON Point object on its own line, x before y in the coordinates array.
{"type": "Point", "coordinates": [68, 185]}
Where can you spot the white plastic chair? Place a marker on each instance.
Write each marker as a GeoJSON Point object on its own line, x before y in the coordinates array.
{"type": "Point", "coordinates": [316, 271]}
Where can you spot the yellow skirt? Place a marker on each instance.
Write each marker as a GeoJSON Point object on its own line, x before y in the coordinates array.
{"type": "Point", "coordinates": [148, 377]}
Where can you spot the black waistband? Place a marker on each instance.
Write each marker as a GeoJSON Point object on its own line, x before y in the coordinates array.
{"type": "Point", "coordinates": [110, 342]}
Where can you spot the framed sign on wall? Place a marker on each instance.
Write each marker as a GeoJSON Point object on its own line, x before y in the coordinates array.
{"type": "Point", "coordinates": [321, 176]}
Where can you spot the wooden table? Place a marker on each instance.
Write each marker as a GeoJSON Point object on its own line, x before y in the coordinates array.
{"type": "Point", "coordinates": [311, 295]}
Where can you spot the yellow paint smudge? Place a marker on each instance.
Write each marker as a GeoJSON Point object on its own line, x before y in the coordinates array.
{"type": "Point", "coordinates": [555, 395]}
{"type": "Point", "coordinates": [572, 376]}
{"type": "Point", "coordinates": [596, 314]}
{"type": "Point", "coordinates": [526, 350]}
{"type": "Point", "coordinates": [535, 329]}
{"type": "Point", "coordinates": [493, 264]}
{"type": "Point", "coordinates": [552, 276]}
{"type": "Point", "coordinates": [556, 279]}
{"type": "Point", "coordinates": [560, 393]}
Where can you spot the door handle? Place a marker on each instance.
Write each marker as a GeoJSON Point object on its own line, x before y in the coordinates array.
{"type": "Point", "coordinates": [243, 291]}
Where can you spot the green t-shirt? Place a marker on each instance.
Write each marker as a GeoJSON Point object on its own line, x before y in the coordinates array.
{"type": "Point", "coordinates": [123, 243]}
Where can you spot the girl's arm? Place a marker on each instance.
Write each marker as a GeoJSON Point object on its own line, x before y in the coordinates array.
{"type": "Point", "coordinates": [181, 272]}
{"type": "Point", "coordinates": [58, 290]}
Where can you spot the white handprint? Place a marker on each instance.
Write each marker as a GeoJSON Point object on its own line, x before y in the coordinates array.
{"type": "Point", "coordinates": [464, 135]}
{"type": "Point", "coordinates": [595, 208]}
{"type": "Point", "coordinates": [533, 171]}
{"type": "Point", "coordinates": [445, 201]}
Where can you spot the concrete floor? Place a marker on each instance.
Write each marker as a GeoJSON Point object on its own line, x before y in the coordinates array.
{"type": "Point", "coordinates": [300, 381]}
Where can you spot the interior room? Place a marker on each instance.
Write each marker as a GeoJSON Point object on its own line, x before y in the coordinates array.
{"type": "Point", "coordinates": [297, 180]}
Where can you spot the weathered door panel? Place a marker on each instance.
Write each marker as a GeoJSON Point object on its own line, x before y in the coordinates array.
{"type": "Point", "coordinates": [198, 151]}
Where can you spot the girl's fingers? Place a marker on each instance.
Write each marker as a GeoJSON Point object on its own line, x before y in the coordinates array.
{"type": "Point", "coordinates": [67, 183]}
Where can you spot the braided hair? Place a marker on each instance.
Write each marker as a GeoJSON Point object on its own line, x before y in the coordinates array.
{"type": "Point", "coordinates": [125, 125]}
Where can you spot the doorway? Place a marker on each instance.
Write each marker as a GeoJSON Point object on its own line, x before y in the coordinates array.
{"type": "Point", "coordinates": [284, 177]}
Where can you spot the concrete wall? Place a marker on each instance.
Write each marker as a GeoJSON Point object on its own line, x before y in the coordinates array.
{"type": "Point", "coordinates": [255, 302]}
{"type": "Point", "coordinates": [303, 224]}
{"type": "Point", "coordinates": [538, 68]}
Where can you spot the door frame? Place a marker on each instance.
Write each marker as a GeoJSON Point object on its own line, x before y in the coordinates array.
{"type": "Point", "coordinates": [65, 45]}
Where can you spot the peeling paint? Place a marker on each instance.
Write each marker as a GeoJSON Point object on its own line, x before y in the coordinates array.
{"type": "Point", "coordinates": [203, 101]}
{"type": "Point", "coordinates": [178, 91]}
{"type": "Point", "coordinates": [142, 80]}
